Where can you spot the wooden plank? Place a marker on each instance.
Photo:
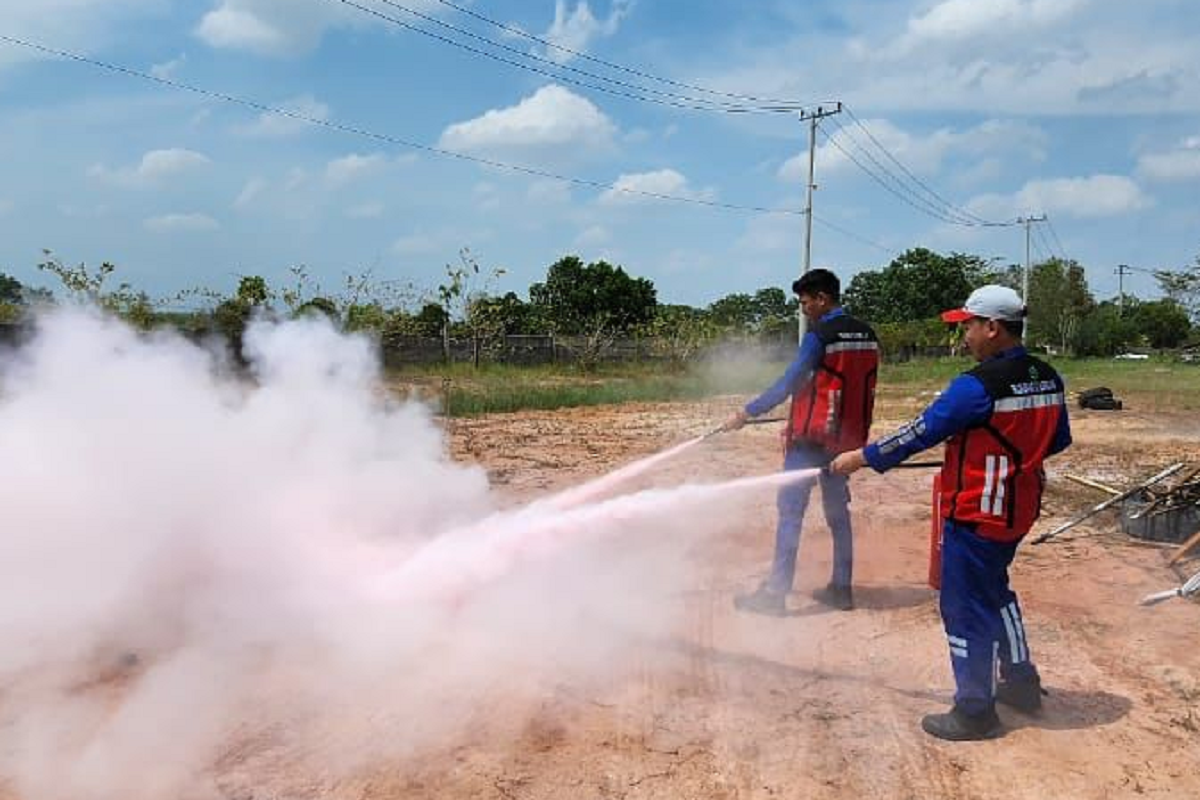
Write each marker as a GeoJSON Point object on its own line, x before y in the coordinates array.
{"type": "Point", "coordinates": [1091, 484]}
{"type": "Point", "coordinates": [1184, 549]}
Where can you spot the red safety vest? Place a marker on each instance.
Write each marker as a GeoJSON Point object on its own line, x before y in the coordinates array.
{"type": "Point", "coordinates": [993, 475]}
{"type": "Point", "coordinates": [834, 409]}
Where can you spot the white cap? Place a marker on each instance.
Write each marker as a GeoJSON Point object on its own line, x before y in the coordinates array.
{"type": "Point", "coordinates": [989, 302]}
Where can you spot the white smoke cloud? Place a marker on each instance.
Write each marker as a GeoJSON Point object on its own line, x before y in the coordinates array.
{"type": "Point", "coordinates": [201, 572]}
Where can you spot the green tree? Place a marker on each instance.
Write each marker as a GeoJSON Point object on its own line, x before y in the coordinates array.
{"type": "Point", "coordinates": [678, 333]}
{"type": "Point", "coordinates": [430, 321]}
{"type": "Point", "coordinates": [598, 301]}
{"type": "Point", "coordinates": [1059, 299]}
{"type": "Point", "coordinates": [917, 285]}
{"type": "Point", "coordinates": [776, 312]}
{"type": "Point", "coordinates": [1163, 323]}
{"type": "Point", "coordinates": [365, 317]}
{"type": "Point", "coordinates": [736, 313]}
{"type": "Point", "coordinates": [11, 290]}
{"type": "Point", "coordinates": [1183, 287]}
{"type": "Point", "coordinates": [12, 299]}
{"type": "Point", "coordinates": [578, 298]}
{"type": "Point", "coordinates": [92, 287]}
{"type": "Point", "coordinates": [319, 306]}
{"type": "Point", "coordinates": [253, 291]}
{"type": "Point", "coordinates": [232, 315]}
{"type": "Point", "coordinates": [1106, 331]}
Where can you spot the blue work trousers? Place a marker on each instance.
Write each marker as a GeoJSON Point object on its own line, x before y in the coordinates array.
{"type": "Point", "coordinates": [793, 502]}
{"type": "Point", "coordinates": [982, 617]}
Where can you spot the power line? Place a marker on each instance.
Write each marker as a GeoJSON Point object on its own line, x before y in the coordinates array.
{"type": "Point", "coordinates": [1058, 241]}
{"type": "Point", "coordinates": [920, 197]}
{"type": "Point", "coordinates": [554, 70]}
{"type": "Point", "coordinates": [1042, 245]}
{"type": "Point", "coordinates": [952, 207]}
{"type": "Point", "coordinates": [899, 192]}
{"type": "Point", "coordinates": [357, 131]}
{"type": "Point", "coordinates": [779, 106]}
{"type": "Point", "coordinates": [515, 31]}
{"type": "Point", "coordinates": [849, 234]}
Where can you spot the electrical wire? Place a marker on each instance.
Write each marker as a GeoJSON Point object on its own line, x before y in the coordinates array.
{"type": "Point", "coordinates": [929, 190]}
{"type": "Point", "coordinates": [899, 193]}
{"type": "Point", "coordinates": [553, 69]}
{"type": "Point", "coordinates": [363, 132]}
{"type": "Point", "coordinates": [515, 31]}
{"type": "Point", "coordinates": [849, 234]}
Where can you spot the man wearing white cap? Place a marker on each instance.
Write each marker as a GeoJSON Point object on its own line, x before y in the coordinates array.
{"type": "Point", "coordinates": [1001, 420]}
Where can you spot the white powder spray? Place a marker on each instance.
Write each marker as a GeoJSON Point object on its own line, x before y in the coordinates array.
{"type": "Point", "coordinates": [189, 563]}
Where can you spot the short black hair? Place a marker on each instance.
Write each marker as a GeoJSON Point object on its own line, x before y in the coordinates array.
{"type": "Point", "coordinates": [819, 281]}
{"type": "Point", "coordinates": [1015, 327]}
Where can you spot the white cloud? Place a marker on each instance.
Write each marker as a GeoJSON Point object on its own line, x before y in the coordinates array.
{"type": "Point", "coordinates": [269, 27]}
{"type": "Point", "coordinates": [155, 166]}
{"type": "Point", "coordinates": [576, 29]}
{"type": "Point", "coordinates": [552, 118]}
{"type": "Point", "coordinates": [592, 237]}
{"type": "Point", "coordinates": [294, 196]}
{"type": "Point", "coordinates": [365, 211]}
{"type": "Point", "coordinates": [967, 19]}
{"type": "Point", "coordinates": [181, 223]}
{"type": "Point", "coordinates": [1091, 197]}
{"type": "Point", "coordinates": [341, 171]}
{"type": "Point", "coordinates": [253, 189]}
{"type": "Point", "coordinates": [282, 27]}
{"type": "Point", "coordinates": [921, 154]}
{"type": "Point", "coordinates": [80, 25]}
{"type": "Point", "coordinates": [996, 57]}
{"type": "Point", "coordinates": [1181, 163]}
{"type": "Point", "coordinates": [268, 125]}
{"type": "Point", "coordinates": [167, 69]}
{"type": "Point", "coordinates": [631, 188]}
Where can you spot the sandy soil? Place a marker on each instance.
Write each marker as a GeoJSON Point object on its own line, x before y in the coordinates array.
{"type": "Point", "coordinates": [825, 704]}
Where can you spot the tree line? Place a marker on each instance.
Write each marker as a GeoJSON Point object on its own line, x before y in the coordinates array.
{"type": "Point", "coordinates": [598, 302]}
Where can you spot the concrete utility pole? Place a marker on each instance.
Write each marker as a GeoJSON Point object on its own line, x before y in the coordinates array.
{"type": "Point", "coordinates": [1028, 223]}
{"type": "Point", "coordinates": [812, 118]}
{"type": "Point", "coordinates": [1122, 270]}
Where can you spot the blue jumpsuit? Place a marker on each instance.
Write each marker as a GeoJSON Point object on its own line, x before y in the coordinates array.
{"type": "Point", "coordinates": [792, 500]}
{"type": "Point", "coordinates": [980, 611]}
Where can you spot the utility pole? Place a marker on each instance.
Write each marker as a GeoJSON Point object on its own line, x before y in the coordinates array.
{"type": "Point", "coordinates": [1122, 270]}
{"type": "Point", "coordinates": [1028, 223]}
{"type": "Point", "coordinates": [812, 118]}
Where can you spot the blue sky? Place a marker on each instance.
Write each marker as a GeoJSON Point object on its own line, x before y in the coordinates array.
{"type": "Point", "coordinates": [1086, 110]}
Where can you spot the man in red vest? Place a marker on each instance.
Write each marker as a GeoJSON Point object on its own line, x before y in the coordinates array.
{"type": "Point", "coordinates": [832, 386]}
{"type": "Point", "coordinates": [1000, 421]}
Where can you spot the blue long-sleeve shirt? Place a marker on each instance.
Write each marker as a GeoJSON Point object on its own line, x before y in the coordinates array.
{"type": "Point", "coordinates": [799, 372]}
{"type": "Point", "coordinates": [965, 403]}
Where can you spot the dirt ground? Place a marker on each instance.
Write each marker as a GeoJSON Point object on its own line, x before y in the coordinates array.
{"type": "Point", "coordinates": [827, 704]}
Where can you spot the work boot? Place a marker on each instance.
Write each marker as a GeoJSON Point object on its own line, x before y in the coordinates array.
{"type": "Point", "coordinates": [959, 726]}
{"type": "Point", "coordinates": [763, 600]}
{"type": "Point", "coordinates": [839, 597]}
{"type": "Point", "coordinates": [1024, 696]}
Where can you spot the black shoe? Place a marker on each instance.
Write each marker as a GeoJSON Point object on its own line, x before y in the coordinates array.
{"type": "Point", "coordinates": [1024, 696]}
{"type": "Point", "coordinates": [762, 600]}
{"type": "Point", "coordinates": [839, 597]}
{"type": "Point", "coordinates": [958, 726]}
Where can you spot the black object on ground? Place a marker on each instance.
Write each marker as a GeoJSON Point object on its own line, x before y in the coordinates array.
{"type": "Point", "coordinates": [1099, 399]}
